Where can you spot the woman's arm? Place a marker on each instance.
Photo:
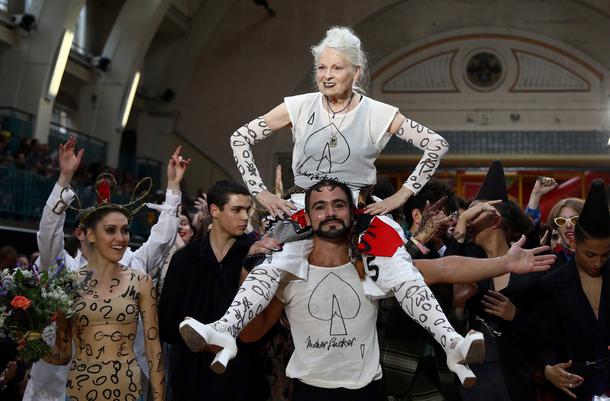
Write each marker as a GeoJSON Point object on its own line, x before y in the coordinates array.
{"type": "Point", "coordinates": [277, 118]}
{"type": "Point", "coordinates": [434, 147]}
{"type": "Point", "coordinates": [148, 311]}
{"type": "Point", "coordinates": [241, 143]}
{"type": "Point", "coordinates": [50, 236]}
{"type": "Point", "coordinates": [162, 235]}
{"type": "Point", "coordinates": [543, 186]}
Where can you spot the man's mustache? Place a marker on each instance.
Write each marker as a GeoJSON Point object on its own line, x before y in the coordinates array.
{"type": "Point", "coordinates": [331, 220]}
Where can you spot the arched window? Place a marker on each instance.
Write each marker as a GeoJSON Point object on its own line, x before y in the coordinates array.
{"type": "Point", "coordinates": [79, 43]}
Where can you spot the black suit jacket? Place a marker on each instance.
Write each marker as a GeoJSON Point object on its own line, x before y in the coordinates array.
{"type": "Point", "coordinates": [200, 286]}
{"type": "Point", "coordinates": [572, 332]}
{"type": "Point", "coordinates": [515, 340]}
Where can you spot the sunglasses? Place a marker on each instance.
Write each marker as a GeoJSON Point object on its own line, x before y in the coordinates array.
{"type": "Point", "coordinates": [562, 221]}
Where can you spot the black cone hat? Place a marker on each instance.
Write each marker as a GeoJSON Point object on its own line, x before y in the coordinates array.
{"type": "Point", "coordinates": [494, 185]}
{"type": "Point", "coordinates": [594, 220]}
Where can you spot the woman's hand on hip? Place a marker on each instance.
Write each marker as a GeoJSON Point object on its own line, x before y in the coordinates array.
{"type": "Point", "coordinates": [276, 206]}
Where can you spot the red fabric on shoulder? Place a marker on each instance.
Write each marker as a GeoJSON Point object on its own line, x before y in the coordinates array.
{"type": "Point", "coordinates": [299, 218]}
{"type": "Point", "coordinates": [380, 239]}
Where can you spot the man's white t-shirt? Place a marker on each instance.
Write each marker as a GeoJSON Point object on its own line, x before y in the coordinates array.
{"type": "Point", "coordinates": [333, 327]}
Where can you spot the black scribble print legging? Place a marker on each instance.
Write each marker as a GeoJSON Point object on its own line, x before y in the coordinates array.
{"type": "Point", "coordinates": [419, 303]}
{"type": "Point", "coordinates": [254, 295]}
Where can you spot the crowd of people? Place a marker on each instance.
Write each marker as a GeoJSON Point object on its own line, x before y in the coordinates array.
{"type": "Point", "coordinates": [340, 288]}
{"type": "Point", "coordinates": [42, 166]}
{"type": "Point", "coordinates": [31, 155]}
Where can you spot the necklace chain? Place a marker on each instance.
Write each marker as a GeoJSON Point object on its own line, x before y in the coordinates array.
{"type": "Point", "coordinates": [333, 134]}
{"type": "Point", "coordinates": [343, 109]}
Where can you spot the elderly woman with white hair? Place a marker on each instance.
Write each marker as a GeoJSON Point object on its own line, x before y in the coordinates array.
{"type": "Point", "coordinates": [338, 133]}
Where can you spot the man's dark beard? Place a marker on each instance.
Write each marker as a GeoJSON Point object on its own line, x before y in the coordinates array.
{"type": "Point", "coordinates": [333, 233]}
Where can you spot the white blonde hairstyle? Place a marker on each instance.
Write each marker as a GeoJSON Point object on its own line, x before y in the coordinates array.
{"type": "Point", "coordinates": [344, 40]}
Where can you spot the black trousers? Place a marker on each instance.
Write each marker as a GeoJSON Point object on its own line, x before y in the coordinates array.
{"type": "Point", "coordinates": [305, 392]}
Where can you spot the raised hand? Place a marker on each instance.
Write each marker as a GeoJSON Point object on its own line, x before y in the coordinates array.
{"type": "Point", "coordinates": [518, 260]}
{"type": "Point", "coordinates": [432, 220]}
{"type": "Point", "coordinates": [175, 169]}
{"type": "Point", "coordinates": [544, 185]}
{"type": "Point", "coordinates": [470, 214]}
{"type": "Point", "coordinates": [201, 204]}
{"type": "Point", "coordinates": [546, 237]}
{"type": "Point", "coordinates": [276, 206]}
{"type": "Point", "coordinates": [69, 161]}
{"type": "Point", "coordinates": [390, 203]}
{"type": "Point", "coordinates": [476, 209]}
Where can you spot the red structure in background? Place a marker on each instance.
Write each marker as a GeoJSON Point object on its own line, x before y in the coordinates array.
{"type": "Point", "coordinates": [576, 187]}
{"type": "Point", "coordinates": [520, 184]}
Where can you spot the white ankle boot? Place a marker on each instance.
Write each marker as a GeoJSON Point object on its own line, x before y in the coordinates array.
{"type": "Point", "coordinates": [197, 335]}
{"type": "Point", "coordinates": [471, 349]}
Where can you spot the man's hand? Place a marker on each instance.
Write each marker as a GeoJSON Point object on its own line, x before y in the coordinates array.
{"type": "Point", "coordinates": [518, 260]}
{"type": "Point", "coordinates": [470, 214]}
{"type": "Point", "coordinates": [68, 161]}
{"type": "Point", "coordinates": [498, 305]}
{"type": "Point", "coordinates": [265, 245]}
{"type": "Point", "coordinates": [390, 203]}
{"type": "Point", "coordinates": [432, 221]}
{"type": "Point", "coordinates": [475, 210]}
{"type": "Point", "coordinates": [561, 378]}
{"type": "Point", "coordinates": [175, 170]}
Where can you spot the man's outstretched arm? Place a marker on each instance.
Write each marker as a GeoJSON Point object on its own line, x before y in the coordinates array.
{"type": "Point", "coordinates": [460, 269]}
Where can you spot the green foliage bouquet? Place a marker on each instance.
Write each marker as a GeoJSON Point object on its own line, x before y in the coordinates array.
{"type": "Point", "coordinates": [29, 303]}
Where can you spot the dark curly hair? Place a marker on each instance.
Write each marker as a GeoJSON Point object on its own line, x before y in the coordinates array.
{"type": "Point", "coordinates": [434, 190]}
{"type": "Point", "coordinates": [514, 221]}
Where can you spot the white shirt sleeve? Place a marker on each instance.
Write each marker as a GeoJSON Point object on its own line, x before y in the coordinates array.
{"type": "Point", "coordinates": [382, 115]}
{"type": "Point", "coordinates": [50, 236]}
{"type": "Point", "coordinates": [294, 105]}
{"type": "Point", "coordinates": [162, 234]}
